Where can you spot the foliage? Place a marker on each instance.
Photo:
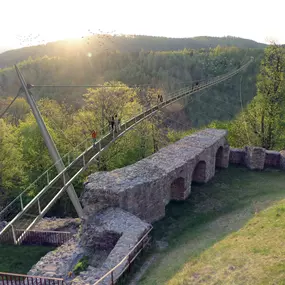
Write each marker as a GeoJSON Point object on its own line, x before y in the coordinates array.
{"type": "Point", "coordinates": [12, 175]}
{"type": "Point", "coordinates": [262, 121]}
{"type": "Point", "coordinates": [265, 113]}
{"type": "Point", "coordinates": [81, 265]}
{"type": "Point", "coordinates": [71, 113]}
{"type": "Point", "coordinates": [213, 232]}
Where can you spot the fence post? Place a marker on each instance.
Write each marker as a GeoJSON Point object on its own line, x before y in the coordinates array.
{"type": "Point", "coordinates": [68, 159]}
{"type": "Point", "coordinates": [83, 159]}
{"type": "Point", "coordinates": [112, 278]}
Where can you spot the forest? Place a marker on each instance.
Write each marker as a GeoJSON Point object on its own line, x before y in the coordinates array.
{"type": "Point", "coordinates": [122, 43]}
{"type": "Point", "coordinates": [130, 81]}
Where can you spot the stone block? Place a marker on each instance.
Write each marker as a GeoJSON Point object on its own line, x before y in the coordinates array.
{"type": "Point", "coordinates": [237, 156]}
{"type": "Point", "coordinates": [255, 157]}
{"type": "Point", "coordinates": [272, 159]}
{"type": "Point", "coordinates": [282, 159]}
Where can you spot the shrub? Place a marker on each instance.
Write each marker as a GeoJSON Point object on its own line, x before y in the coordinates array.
{"type": "Point", "coordinates": [81, 265]}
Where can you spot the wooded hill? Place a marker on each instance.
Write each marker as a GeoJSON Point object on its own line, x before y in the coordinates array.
{"type": "Point", "coordinates": [95, 44]}
{"type": "Point", "coordinates": [167, 70]}
{"type": "Point", "coordinates": [73, 112]}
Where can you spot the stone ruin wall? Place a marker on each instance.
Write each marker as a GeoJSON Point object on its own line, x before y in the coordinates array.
{"type": "Point", "coordinates": [257, 158]}
{"type": "Point", "coordinates": [143, 190]}
{"type": "Point", "coordinates": [146, 187]}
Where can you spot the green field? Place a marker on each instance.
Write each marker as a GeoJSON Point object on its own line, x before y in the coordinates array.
{"type": "Point", "coordinates": [20, 259]}
{"type": "Point", "coordinates": [201, 248]}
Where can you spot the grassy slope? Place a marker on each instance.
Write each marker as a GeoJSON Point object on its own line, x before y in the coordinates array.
{"type": "Point", "coordinates": [20, 259]}
{"type": "Point", "coordinates": [194, 228]}
{"type": "Point", "coordinates": [253, 255]}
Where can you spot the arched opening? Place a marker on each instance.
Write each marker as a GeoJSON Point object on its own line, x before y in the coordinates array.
{"type": "Point", "coordinates": [177, 189]}
{"type": "Point", "coordinates": [199, 173]}
{"type": "Point", "coordinates": [219, 157]}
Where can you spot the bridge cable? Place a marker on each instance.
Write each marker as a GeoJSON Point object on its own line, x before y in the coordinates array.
{"type": "Point", "coordinates": [7, 108]}
{"type": "Point", "coordinates": [243, 114]}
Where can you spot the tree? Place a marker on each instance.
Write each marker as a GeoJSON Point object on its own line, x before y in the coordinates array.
{"type": "Point", "coordinates": [103, 103]}
{"type": "Point", "coordinates": [12, 175]}
{"type": "Point", "coordinates": [264, 115]}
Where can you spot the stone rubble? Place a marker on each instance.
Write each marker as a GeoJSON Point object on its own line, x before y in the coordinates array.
{"type": "Point", "coordinates": [56, 224]}
{"type": "Point", "coordinates": [112, 231]}
{"type": "Point", "coordinates": [59, 262]}
{"type": "Point", "coordinates": [128, 228]}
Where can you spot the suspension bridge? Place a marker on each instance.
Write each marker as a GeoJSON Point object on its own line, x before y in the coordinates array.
{"type": "Point", "coordinates": [23, 213]}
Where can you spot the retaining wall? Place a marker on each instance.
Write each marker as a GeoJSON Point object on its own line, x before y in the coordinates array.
{"type": "Point", "coordinates": [257, 158]}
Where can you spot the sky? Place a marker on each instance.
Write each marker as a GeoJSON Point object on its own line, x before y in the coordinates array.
{"type": "Point", "coordinates": [33, 22]}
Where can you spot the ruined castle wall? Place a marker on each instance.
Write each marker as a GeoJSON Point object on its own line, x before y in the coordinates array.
{"type": "Point", "coordinates": [146, 187]}
{"type": "Point", "coordinates": [257, 158]}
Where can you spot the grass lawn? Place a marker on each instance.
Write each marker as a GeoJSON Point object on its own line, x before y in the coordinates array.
{"type": "Point", "coordinates": [201, 248]}
{"type": "Point", "coordinates": [20, 259]}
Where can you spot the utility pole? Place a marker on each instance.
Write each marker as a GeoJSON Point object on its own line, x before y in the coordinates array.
{"type": "Point", "coordinates": [50, 144]}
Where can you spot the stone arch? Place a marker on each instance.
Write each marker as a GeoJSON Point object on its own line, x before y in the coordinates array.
{"type": "Point", "coordinates": [219, 157]}
{"type": "Point", "coordinates": [199, 173]}
{"type": "Point", "coordinates": [177, 189]}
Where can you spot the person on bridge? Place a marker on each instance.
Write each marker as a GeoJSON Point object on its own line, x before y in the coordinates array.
{"type": "Point", "coordinates": [94, 137]}
{"type": "Point", "coordinates": [116, 123]}
{"type": "Point", "coordinates": [159, 98]}
{"type": "Point", "coordinates": [197, 85]}
{"type": "Point", "coordinates": [112, 123]}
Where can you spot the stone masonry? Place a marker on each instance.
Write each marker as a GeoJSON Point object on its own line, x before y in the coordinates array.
{"type": "Point", "coordinates": [146, 187]}
{"type": "Point", "coordinates": [257, 158]}
{"type": "Point", "coordinates": [107, 237]}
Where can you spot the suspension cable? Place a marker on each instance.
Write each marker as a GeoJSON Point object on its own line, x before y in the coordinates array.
{"type": "Point", "coordinates": [7, 108]}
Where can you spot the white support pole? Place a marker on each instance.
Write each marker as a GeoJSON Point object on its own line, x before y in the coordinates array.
{"type": "Point", "coordinates": [83, 160]}
{"type": "Point", "coordinates": [21, 201]}
{"type": "Point", "coordinates": [50, 143]}
{"type": "Point", "coordinates": [47, 177]}
{"type": "Point", "coordinates": [39, 206]}
{"type": "Point", "coordinates": [14, 235]}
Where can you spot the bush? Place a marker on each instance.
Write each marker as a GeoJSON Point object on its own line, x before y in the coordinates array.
{"type": "Point", "coordinates": [81, 265]}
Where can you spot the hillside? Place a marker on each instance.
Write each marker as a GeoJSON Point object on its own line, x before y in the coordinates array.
{"type": "Point", "coordinates": [229, 231]}
{"type": "Point", "coordinates": [168, 70]}
{"type": "Point", "coordinates": [253, 255]}
{"type": "Point", "coordinates": [97, 44]}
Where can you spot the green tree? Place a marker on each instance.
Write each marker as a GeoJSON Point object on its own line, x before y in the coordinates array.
{"type": "Point", "coordinates": [12, 174]}
{"type": "Point", "coordinates": [264, 115]}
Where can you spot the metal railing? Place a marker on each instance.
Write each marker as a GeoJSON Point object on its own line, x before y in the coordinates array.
{"type": "Point", "coordinates": [112, 276]}
{"type": "Point", "coordinates": [34, 237]}
{"type": "Point", "coordinates": [20, 279]}
{"type": "Point", "coordinates": [31, 213]}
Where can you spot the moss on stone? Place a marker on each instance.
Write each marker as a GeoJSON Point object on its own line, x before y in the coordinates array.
{"type": "Point", "coordinates": [81, 265]}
